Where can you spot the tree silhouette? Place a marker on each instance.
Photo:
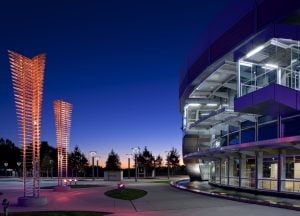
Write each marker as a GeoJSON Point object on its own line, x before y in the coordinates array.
{"type": "Point", "coordinates": [158, 161]}
{"type": "Point", "coordinates": [78, 162]}
{"type": "Point", "coordinates": [173, 159]}
{"type": "Point", "coordinates": [9, 153]}
{"type": "Point", "coordinates": [146, 160]}
{"type": "Point", "coordinates": [113, 161]}
{"type": "Point", "coordinates": [48, 158]}
{"type": "Point", "coordinates": [47, 165]}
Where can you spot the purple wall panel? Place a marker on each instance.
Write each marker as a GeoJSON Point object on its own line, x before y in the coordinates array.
{"type": "Point", "coordinates": [264, 94]}
{"type": "Point", "coordinates": [243, 102]}
{"type": "Point", "coordinates": [286, 96]}
{"type": "Point", "coordinates": [298, 100]}
{"type": "Point", "coordinates": [273, 99]}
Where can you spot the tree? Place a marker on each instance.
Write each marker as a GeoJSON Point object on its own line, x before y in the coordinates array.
{"type": "Point", "coordinates": [77, 162]}
{"type": "Point", "coordinates": [146, 160]}
{"type": "Point", "coordinates": [47, 165]}
{"type": "Point", "coordinates": [158, 162]}
{"type": "Point", "coordinates": [47, 150]}
{"type": "Point", "coordinates": [173, 159]}
{"type": "Point", "coordinates": [113, 161]}
{"type": "Point", "coordinates": [48, 158]}
{"type": "Point", "coordinates": [9, 153]}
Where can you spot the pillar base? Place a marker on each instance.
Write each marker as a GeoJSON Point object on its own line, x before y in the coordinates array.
{"type": "Point", "coordinates": [32, 201]}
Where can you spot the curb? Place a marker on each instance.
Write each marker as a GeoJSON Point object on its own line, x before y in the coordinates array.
{"type": "Point", "coordinates": [234, 198]}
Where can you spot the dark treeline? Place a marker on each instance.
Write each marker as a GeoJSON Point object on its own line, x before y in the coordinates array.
{"type": "Point", "coordinates": [148, 164]}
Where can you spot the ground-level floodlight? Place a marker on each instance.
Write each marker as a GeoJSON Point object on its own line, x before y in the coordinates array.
{"type": "Point", "coordinates": [136, 151]}
{"type": "Point", "coordinates": [62, 112]}
{"type": "Point", "coordinates": [28, 78]}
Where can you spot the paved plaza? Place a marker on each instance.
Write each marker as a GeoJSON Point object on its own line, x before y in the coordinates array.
{"type": "Point", "coordinates": [162, 199]}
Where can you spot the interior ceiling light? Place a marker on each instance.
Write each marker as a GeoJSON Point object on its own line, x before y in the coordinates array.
{"type": "Point", "coordinates": [211, 104]}
{"type": "Point", "coordinates": [272, 66]}
{"type": "Point", "coordinates": [279, 44]}
{"type": "Point", "coordinates": [204, 114]}
{"type": "Point", "coordinates": [193, 105]}
{"type": "Point", "coordinates": [254, 51]}
{"type": "Point", "coordinates": [248, 64]}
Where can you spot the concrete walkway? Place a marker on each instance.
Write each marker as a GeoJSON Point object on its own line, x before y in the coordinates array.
{"type": "Point", "coordinates": [161, 199]}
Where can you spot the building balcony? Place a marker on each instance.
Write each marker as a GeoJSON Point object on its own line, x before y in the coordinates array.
{"type": "Point", "coordinates": [273, 100]}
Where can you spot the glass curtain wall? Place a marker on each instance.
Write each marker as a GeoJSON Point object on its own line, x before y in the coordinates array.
{"type": "Point", "coordinates": [269, 180]}
{"type": "Point", "coordinates": [248, 173]}
{"type": "Point", "coordinates": [291, 182]}
{"type": "Point", "coordinates": [217, 177]}
{"type": "Point", "coordinates": [224, 171]}
{"type": "Point", "coordinates": [234, 171]}
{"type": "Point", "coordinates": [277, 61]}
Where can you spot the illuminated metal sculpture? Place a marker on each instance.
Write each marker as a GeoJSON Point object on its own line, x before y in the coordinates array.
{"type": "Point", "coordinates": [28, 78]}
{"type": "Point", "coordinates": [62, 112]}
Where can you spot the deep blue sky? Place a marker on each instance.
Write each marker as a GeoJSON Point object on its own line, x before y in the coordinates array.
{"type": "Point", "coordinates": [116, 61]}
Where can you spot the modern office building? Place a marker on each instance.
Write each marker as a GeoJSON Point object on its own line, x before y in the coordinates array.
{"type": "Point", "coordinates": [240, 98]}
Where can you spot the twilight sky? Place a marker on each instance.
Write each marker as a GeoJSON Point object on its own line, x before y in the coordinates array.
{"type": "Point", "coordinates": [116, 61]}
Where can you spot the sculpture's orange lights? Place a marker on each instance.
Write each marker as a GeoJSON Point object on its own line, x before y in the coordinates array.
{"type": "Point", "coordinates": [28, 79]}
{"type": "Point", "coordinates": [62, 112]}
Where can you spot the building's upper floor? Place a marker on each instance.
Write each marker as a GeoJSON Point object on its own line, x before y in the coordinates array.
{"type": "Point", "coordinates": [261, 27]}
{"type": "Point", "coordinates": [237, 96]}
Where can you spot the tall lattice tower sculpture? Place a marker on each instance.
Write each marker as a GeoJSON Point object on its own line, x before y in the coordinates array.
{"type": "Point", "coordinates": [28, 79]}
{"type": "Point", "coordinates": [62, 112]}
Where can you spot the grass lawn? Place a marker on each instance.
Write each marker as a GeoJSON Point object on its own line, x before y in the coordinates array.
{"type": "Point", "coordinates": [126, 194]}
{"type": "Point", "coordinates": [56, 213]}
{"type": "Point", "coordinates": [75, 186]}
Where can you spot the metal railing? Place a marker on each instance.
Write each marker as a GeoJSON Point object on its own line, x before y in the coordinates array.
{"type": "Point", "coordinates": [233, 181]}
{"type": "Point", "coordinates": [269, 184]}
{"type": "Point", "coordinates": [289, 79]}
{"type": "Point", "coordinates": [290, 185]}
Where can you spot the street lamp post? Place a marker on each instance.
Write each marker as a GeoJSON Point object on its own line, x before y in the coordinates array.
{"type": "Point", "coordinates": [93, 154]}
{"type": "Point", "coordinates": [129, 165]}
{"type": "Point", "coordinates": [19, 164]}
{"type": "Point", "coordinates": [168, 163]}
{"type": "Point", "coordinates": [136, 151]}
{"type": "Point", "coordinates": [97, 170]}
{"type": "Point", "coordinates": [5, 164]}
{"type": "Point", "coordinates": [51, 167]}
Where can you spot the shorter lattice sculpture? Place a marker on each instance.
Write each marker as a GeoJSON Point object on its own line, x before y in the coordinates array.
{"type": "Point", "coordinates": [62, 112]}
